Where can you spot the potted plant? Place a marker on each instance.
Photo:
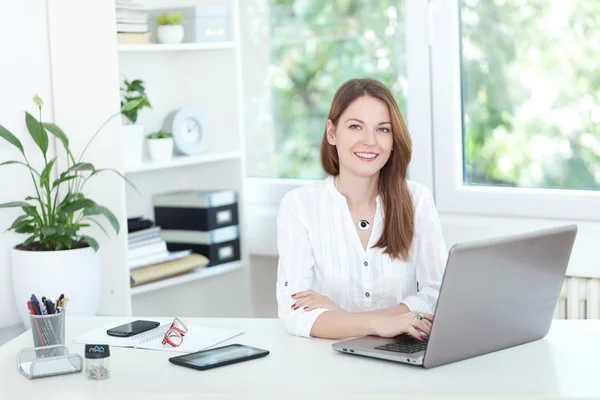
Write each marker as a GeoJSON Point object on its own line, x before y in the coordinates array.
{"type": "Point", "coordinates": [170, 27]}
{"type": "Point", "coordinates": [134, 94]}
{"type": "Point", "coordinates": [160, 145]}
{"type": "Point", "coordinates": [57, 256]}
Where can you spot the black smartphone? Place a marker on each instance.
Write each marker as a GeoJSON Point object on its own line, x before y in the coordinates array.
{"type": "Point", "coordinates": [219, 356]}
{"type": "Point", "coordinates": [132, 328]}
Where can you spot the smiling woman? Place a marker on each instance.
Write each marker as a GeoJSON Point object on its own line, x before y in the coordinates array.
{"type": "Point", "coordinates": [360, 252]}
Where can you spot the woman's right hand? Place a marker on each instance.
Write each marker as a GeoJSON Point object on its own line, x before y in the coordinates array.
{"type": "Point", "coordinates": [390, 326]}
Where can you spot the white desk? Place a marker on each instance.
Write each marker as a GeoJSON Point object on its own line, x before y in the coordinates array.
{"type": "Point", "coordinates": [565, 364]}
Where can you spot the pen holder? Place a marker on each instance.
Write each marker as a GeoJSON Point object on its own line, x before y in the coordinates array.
{"type": "Point", "coordinates": [48, 330]}
{"type": "Point", "coordinates": [40, 362]}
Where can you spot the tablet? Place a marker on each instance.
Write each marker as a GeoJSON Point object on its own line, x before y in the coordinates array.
{"type": "Point", "coordinates": [219, 356]}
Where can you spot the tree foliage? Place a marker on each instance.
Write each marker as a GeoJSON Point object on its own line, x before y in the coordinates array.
{"type": "Point", "coordinates": [530, 81]}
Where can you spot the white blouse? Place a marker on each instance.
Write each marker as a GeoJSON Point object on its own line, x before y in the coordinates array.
{"type": "Point", "coordinates": [319, 249]}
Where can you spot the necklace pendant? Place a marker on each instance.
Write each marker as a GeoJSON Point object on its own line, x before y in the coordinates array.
{"type": "Point", "coordinates": [363, 225]}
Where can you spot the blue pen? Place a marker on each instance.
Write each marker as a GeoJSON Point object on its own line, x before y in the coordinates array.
{"type": "Point", "coordinates": [36, 303]}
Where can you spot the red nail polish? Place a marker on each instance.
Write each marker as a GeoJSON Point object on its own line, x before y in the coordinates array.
{"type": "Point", "coordinates": [294, 295]}
{"type": "Point", "coordinates": [294, 306]}
{"type": "Point", "coordinates": [423, 337]}
{"type": "Point", "coordinates": [305, 307]}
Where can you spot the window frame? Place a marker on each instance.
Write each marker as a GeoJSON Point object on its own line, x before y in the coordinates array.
{"type": "Point", "coordinates": [452, 195]}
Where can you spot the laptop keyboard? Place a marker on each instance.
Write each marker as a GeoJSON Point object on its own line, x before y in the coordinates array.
{"type": "Point", "coordinates": [404, 344]}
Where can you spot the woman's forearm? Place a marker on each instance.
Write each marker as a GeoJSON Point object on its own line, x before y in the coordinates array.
{"type": "Point", "coordinates": [339, 324]}
{"type": "Point", "coordinates": [388, 312]}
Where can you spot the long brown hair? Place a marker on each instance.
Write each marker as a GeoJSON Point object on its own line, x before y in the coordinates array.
{"type": "Point", "coordinates": [399, 227]}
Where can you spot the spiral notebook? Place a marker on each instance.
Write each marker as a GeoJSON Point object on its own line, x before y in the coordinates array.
{"type": "Point", "coordinates": [198, 337]}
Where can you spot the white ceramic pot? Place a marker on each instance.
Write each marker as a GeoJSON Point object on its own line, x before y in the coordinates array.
{"type": "Point", "coordinates": [160, 149]}
{"type": "Point", "coordinates": [76, 273]}
{"type": "Point", "coordinates": [170, 34]}
{"type": "Point", "coordinates": [133, 143]}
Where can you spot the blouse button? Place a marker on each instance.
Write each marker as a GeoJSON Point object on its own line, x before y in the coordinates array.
{"type": "Point", "coordinates": [286, 283]}
{"type": "Point", "coordinates": [366, 264]}
{"type": "Point", "coordinates": [367, 294]}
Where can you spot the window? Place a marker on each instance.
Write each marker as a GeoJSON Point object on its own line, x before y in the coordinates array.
{"type": "Point", "coordinates": [531, 85]}
{"type": "Point", "coordinates": [314, 46]}
{"type": "Point", "coordinates": [516, 109]}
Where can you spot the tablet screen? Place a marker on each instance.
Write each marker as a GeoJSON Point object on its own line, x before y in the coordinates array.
{"type": "Point", "coordinates": [219, 355]}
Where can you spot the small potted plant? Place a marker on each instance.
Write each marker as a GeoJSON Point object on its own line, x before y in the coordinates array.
{"type": "Point", "coordinates": [170, 27]}
{"type": "Point", "coordinates": [134, 94]}
{"type": "Point", "coordinates": [160, 145]}
{"type": "Point", "coordinates": [57, 256]}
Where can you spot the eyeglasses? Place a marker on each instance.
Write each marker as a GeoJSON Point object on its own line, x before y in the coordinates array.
{"type": "Point", "coordinates": [175, 333]}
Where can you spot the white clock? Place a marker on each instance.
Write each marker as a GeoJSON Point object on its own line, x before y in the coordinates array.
{"type": "Point", "coordinates": [190, 135]}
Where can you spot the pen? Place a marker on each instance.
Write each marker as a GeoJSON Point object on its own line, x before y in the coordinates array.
{"type": "Point", "coordinates": [37, 326]}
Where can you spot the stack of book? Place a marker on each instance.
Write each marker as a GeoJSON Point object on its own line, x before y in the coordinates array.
{"type": "Point", "coordinates": [148, 258]}
{"type": "Point", "coordinates": [132, 23]}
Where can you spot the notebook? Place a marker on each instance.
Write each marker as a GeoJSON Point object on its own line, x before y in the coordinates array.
{"type": "Point", "coordinates": [198, 337]}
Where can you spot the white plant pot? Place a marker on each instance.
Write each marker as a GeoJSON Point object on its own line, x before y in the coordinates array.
{"type": "Point", "coordinates": [76, 273]}
{"type": "Point", "coordinates": [170, 34]}
{"type": "Point", "coordinates": [133, 143]}
{"type": "Point", "coordinates": [160, 149]}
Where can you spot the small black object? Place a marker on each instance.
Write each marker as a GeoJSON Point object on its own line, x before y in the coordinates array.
{"type": "Point", "coordinates": [218, 356]}
{"type": "Point", "coordinates": [97, 351]}
{"type": "Point", "coordinates": [363, 225]}
{"type": "Point", "coordinates": [134, 225]}
{"type": "Point", "coordinates": [49, 306]}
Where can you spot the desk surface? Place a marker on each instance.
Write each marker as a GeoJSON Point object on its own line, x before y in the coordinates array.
{"type": "Point", "coordinates": [564, 364]}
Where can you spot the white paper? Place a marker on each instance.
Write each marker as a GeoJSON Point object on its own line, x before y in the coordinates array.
{"type": "Point", "coordinates": [198, 337]}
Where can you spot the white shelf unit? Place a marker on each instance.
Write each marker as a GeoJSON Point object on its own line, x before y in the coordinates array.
{"type": "Point", "coordinates": [182, 161]}
{"type": "Point", "coordinates": [197, 274]}
{"type": "Point", "coordinates": [205, 77]}
{"type": "Point", "coordinates": [175, 47]}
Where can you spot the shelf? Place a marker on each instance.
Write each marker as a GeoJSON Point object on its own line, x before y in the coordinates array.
{"type": "Point", "coordinates": [200, 273]}
{"type": "Point", "coordinates": [182, 161]}
{"type": "Point", "coordinates": [152, 47]}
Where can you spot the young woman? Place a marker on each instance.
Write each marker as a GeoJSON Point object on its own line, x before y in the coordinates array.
{"type": "Point", "coordinates": [360, 252]}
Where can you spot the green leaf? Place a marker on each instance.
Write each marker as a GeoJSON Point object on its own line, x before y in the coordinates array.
{"type": "Point", "coordinates": [22, 224]}
{"type": "Point", "coordinates": [68, 242]}
{"type": "Point", "coordinates": [56, 131]}
{"type": "Point", "coordinates": [19, 162]}
{"type": "Point", "coordinates": [101, 210]}
{"type": "Point", "coordinates": [25, 229]}
{"type": "Point", "coordinates": [48, 230]}
{"type": "Point", "coordinates": [80, 167]}
{"type": "Point", "coordinates": [31, 198]}
{"type": "Point", "coordinates": [77, 205]}
{"type": "Point", "coordinates": [29, 240]}
{"type": "Point", "coordinates": [37, 132]}
{"type": "Point", "coordinates": [15, 204]}
{"type": "Point", "coordinates": [32, 211]}
{"type": "Point", "coordinates": [91, 241]}
{"type": "Point", "coordinates": [19, 220]}
{"type": "Point", "coordinates": [131, 105]}
{"type": "Point", "coordinates": [63, 179]}
{"type": "Point", "coordinates": [10, 138]}
{"type": "Point", "coordinates": [45, 176]}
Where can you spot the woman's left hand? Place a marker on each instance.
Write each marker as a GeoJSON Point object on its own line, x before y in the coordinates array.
{"type": "Point", "coordinates": [311, 300]}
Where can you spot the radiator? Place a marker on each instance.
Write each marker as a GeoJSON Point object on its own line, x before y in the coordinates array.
{"type": "Point", "coordinates": [579, 299]}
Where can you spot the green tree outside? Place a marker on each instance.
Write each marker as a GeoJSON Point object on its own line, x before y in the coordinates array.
{"type": "Point", "coordinates": [531, 83]}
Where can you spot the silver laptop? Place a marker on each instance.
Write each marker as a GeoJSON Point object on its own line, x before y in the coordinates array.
{"type": "Point", "coordinates": [495, 294]}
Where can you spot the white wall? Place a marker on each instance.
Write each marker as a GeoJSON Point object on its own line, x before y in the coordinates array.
{"type": "Point", "coordinates": [24, 72]}
{"type": "Point", "coordinates": [86, 94]}
{"type": "Point", "coordinates": [47, 49]}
